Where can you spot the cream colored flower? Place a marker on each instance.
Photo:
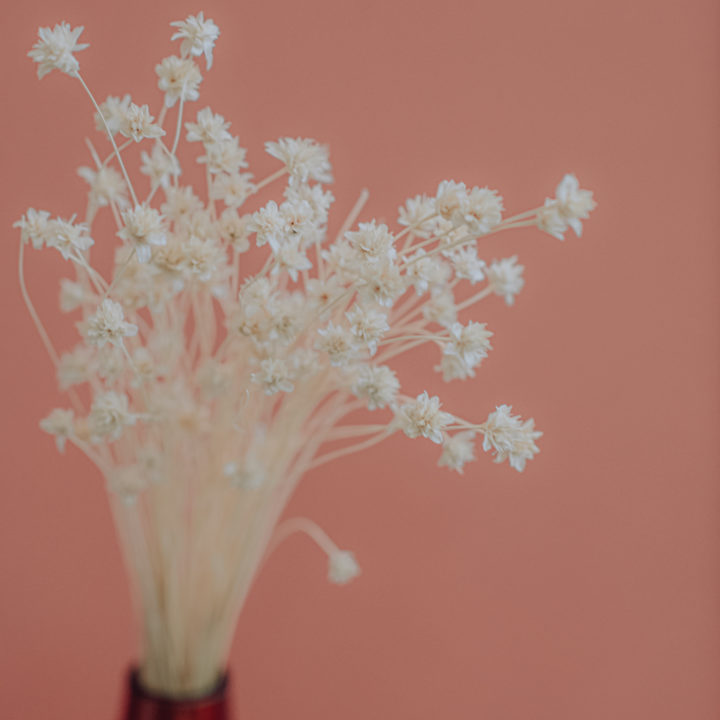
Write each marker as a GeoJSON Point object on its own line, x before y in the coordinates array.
{"type": "Point", "coordinates": [509, 437]}
{"type": "Point", "coordinates": [109, 416]}
{"type": "Point", "coordinates": [144, 228]}
{"type": "Point", "coordinates": [54, 49]}
{"type": "Point", "coordinates": [304, 159]}
{"type": "Point", "coordinates": [458, 450]}
{"type": "Point", "coordinates": [505, 278]}
{"type": "Point", "coordinates": [178, 78]}
{"type": "Point", "coordinates": [377, 384]}
{"type": "Point", "coordinates": [423, 417]}
{"type": "Point", "coordinates": [198, 36]}
{"type": "Point", "coordinates": [108, 325]}
{"type": "Point", "coordinates": [137, 123]}
{"type": "Point", "coordinates": [35, 226]}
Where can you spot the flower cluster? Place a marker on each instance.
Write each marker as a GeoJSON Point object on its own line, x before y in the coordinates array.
{"type": "Point", "coordinates": [218, 387]}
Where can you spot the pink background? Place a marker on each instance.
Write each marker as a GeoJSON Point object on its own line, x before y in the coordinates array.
{"type": "Point", "coordinates": [588, 587]}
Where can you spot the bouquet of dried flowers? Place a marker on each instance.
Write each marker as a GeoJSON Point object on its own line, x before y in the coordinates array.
{"type": "Point", "coordinates": [205, 384]}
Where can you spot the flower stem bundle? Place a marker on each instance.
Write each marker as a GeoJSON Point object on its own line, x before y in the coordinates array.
{"type": "Point", "coordinates": [204, 388]}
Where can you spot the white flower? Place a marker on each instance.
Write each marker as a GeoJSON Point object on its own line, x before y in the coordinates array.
{"type": "Point", "coordinates": [54, 50]}
{"type": "Point", "coordinates": [441, 308]}
{"type": "Point", "coordinates": [305, 159]}
{"type": "Point", "coordinates": [268, 224]}
{"type": "Point", "coordinates": [367, 325]}
{"type": "Point", "coordinates": [423, 417]}
{"type": "Point", "coordinates": [291, 258]}
{"type": "Point", "coordinates": [35, 226]}
{"type": "Point", "coordinates": [574, 204]}
{"type": "Point", "coordinates": [67, 237]}
{"type": "Point", "coordinates": [234, 229]}
{"type": "Point", "coordinates": [376, 383]}
{"type": "Point", "coordinates": [109, 416]}
{"type": "Point", "coordinates": [224, 156]}
{"type": "Point", "coordinates": [107, 186]}
{"type": "Point", "coordinates": [274, 376]}
{"type": "Point", "coordinates": [418, 213]}
{"type": "Point", "coordinates": [232, 188]}
{"type": "Point", "coordinates": [450, 200]}
{"type": "Point", "coordinates": [113, 110]}
{"type": "Point", "coordinates": [137, 123]}
{"type": "Point", "coordinates": [481, 210]}
{"type": "Point", "coordinates": [108, 325]}
{"type": "Point", "coordinates": [198, 36]}
{"type": "Point", "coordinates": [424, 272]}
{"type": "Point", "coordinates": [178, 78]}
{"type": "Point", "coordinates": [60, 423]}
{"type": "Point", "coordinates": [551, 220]}
{"type": "Point", "coordinates": [383, 283]}
{"type": "Point", "coordinates": [372, 243]}
{"type": "Point", "coordinates": [144, 228]}
{"type": "Point", "coordinates": [467, 265]}
{"type": "Point", "coordinates": [505, 278]}
{"type": "Point", "coordinates": [338, 342]}
{"type": "Point", "coordinates": [458, 449]}
{"type": "Point", "coordinates": [509, 437]}
{"type": "Point", "coordinates": [342, 567]}
{"type": "Point", "coordinates": [159, 166]}
{"type": "Point", "coordinates": [469, 342]}
{"type": "Point", "coordinates": [209, 128]}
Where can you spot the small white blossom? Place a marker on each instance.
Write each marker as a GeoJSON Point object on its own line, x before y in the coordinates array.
{"type": "Point", "coordinates": [509, 437]}
{"type": "Point", "coordinates": [274, 376]}
{"type": "Point", "coordinates": [441, 308]}
{"type": "Point", "coordinates": [458, 449]}
{"type": "Point", "coordinates": [137, 123]}
{"type": "Point", "coordinates": [481, 210]}
{"type": "Point", "coordinates": [551, 220]}
{"type": "Point", "coordinates": [109, 416]}
{"type": "Point", "coordinates": [107, 186]}
{"type": "Point", "coordinates": [114, 110]}
{"type": "Point", "coordinates": [143, 227]}
{"type": "Point", "coordinates": [305, 159]}
{"type": "Point", "coordinates": [378, 384]}
{"type": "Point", "coordinates": [178, 78]}
{"type": "Point", "coordinates": [467, 264]}
{"type": "Point", "coordinates": [74, 367]}
{"type": "Point", "coordinates": [418, 213]}
{"type": "Point", "coordinates": [224, 156]}
{"type": "Point", "coordinates": [232, 188]}
{"type": "Point", "coordinates": [575, 204]}
{"type": "Point", "coordinates": [342, 567]}
{"type": "Point", "coordinates": [234, 229]}
{"type": "Point", "coordinates": [372, 243]}
{"type": "Point", "coordinates": [505, 278]}
{"type": "Point", "coordinates": [450, 200]}
{"type": "Point", "coordinates": [469, 342]}
{"type": "Point", "coordinates": [159, 166]}
{"type": "Point", "coordinates": [35, 226]}
{"type": "Point", "coordinates": [424, 272]}
{"type": "Point", "coordinates": [198, 36]}
{"type": "Point", "coordinates": [338, 342]}
{"type": "Point", "coordinates": [60, 423]}
{"type": "Point", "coordinates": [208, 129]}
{"type": "Point", "coordinates": [423, 417]}
{"type": "Point", "coordinates": [367, 325]}
{"type": "Point", "coordinates": [108, 325]}
{"type": "Point", "coordinates": [291, 258]}
{"type": "Point", "coordinates": [67, 237]}
{"type": "Point", "coordinates": [54, 49]}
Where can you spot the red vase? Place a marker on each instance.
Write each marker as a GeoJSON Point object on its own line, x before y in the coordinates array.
{"type": "Point", "coordinates": [145, 705]}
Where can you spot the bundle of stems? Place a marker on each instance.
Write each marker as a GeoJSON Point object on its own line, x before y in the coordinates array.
{"type": "Point", "coordinates": [204, 388]}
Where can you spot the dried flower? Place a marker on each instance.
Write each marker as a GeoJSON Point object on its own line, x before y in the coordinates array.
{"type": "Point", "coordinates": [423, 417]}
{"type": "Point", "coordinates": [509, 437]}
{"type": "Point", "coordinates": [108, 324]}
{"type": "Point", "coordinates": [198, 36]}
{"type": "Point", "coordinates": [54, 50]}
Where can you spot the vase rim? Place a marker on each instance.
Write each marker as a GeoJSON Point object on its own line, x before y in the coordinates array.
{"type": "Point", "coordinates": [216, 694]}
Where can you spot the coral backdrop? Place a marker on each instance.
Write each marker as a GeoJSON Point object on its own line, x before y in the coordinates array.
{"type": "Point", "coordinates": [587, 587]}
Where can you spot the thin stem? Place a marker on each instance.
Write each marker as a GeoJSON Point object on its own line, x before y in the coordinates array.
{"type": "Point", "coordinates": [112, 139]}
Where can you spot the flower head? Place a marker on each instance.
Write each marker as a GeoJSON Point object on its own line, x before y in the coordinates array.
{"type": "Point", "coordinates": [305, 159]}
{"type": "Point", "coordinates": [342, 567]}
{"type": "Point", "coordinates": [108, 325]}
{"type": "Point", "coordinates": [423, 417]}
{"type": "Point", "coordinates": [60, 423]}
{"type": "Point", "coordinates": [509, 437]}
{"type": "Point", "coordinates": [198, 36]}
{"type": "Point", "coordinates": [54, 50]}
{"type": "Point", "coordinates": [505, 278]}
{"type": "Point", "coordinates": [178, 78]}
